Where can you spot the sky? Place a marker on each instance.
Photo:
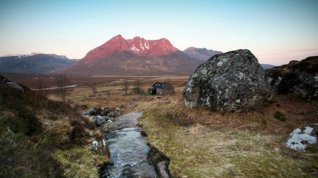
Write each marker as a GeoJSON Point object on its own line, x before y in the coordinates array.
{"type": "Point", "coordinates": [276, 31]}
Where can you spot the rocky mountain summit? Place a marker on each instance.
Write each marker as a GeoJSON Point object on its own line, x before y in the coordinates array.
{"type": "Point", "coordinates": [134, 57]}
{"type": "Point", "coordinates": [137, 45]}
{"type": "Point", "coordinates": [231, 81]}
{"type": "Point", "coordinates": [299, 78]}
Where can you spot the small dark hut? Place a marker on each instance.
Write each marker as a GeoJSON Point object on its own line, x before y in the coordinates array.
{"type": "Point", "coordinates": [161, 88]}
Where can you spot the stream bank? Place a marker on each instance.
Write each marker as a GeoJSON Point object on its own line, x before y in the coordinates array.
{"type": "Point", "coordinates": [129, 153]}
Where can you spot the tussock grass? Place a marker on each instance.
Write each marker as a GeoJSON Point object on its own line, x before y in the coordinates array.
{"type": "Point", "coordinates": [212, 150]}
{"type": "Point", "coordinates": [77, 162]}
{"type": "Point", "coordinates": [32, 128]}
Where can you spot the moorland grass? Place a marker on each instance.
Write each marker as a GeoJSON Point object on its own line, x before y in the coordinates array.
{"type": "Point", "coordinates": [77, 162]}
{"type": "Point", "coordinates": [213, 151]}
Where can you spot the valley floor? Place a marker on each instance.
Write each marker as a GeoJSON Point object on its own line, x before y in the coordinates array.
{"type": "Point", "coordinates": [201, 143]}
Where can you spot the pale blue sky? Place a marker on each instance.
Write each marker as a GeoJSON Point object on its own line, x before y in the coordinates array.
{"type": "Point", "coordinates": [276, 31]}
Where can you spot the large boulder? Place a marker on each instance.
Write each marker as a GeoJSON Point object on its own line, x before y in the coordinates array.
{"type": "Point", "coordinates": [299, 78]}
{"type": "Point", "coordinates": [231, 81]}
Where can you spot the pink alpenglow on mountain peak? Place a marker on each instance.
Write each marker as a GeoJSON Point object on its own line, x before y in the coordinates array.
{"type": "Point", "coordinates": [137, 45]}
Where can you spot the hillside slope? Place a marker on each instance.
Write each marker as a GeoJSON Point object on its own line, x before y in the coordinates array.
{"type": "Point", "coordinates": [34, 64]}
{"type": "Point", "coordinates": [35, 132]}
{"type": "Point", "coordinates": [201, 54]}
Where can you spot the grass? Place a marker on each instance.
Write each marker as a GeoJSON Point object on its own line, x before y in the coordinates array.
{"type": "Point", "coordinates": [201, 143]}
{"type": "Point", "coordinates": [32, 130]}
{"type": "Point", "coordinates": [24, 157]}
{"type": "Point", "coordinates": [212, 150]}
{"type": "Point", "coordinates": [77, 162]}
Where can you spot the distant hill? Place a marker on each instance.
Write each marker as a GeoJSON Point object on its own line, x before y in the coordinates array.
{"type": "Point", "coordinates": [200, 54]}
{"type": "Point", "coordinates": [136, 56]}
{"type": "Point", "coordinates": [34, 64]}
{"type": "Point", "coordinates": [309, 65]}
{"type": "Point", "coordinates": [267, 66]}
{"type": "Point", "coordinates": [203, 54]}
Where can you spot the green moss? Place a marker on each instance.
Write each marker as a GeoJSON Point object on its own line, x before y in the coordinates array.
{"type": "Point", "coordinates": [77, 162]}
{"type": "Point", "coordinates": [280, 116]}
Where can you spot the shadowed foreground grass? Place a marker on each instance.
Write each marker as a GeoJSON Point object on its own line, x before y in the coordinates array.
{"type": "Point", "coordinates": [38, 137]}
{"type": "Point", "coordinates": [214, 151]}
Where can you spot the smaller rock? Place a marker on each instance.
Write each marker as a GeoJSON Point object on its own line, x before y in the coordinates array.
{"type": "Point", "coordinates": [143, 133]}
{"type": "Point", "coordinates": [111, 114]}
{"type": "Point", "coordinates": [99, 120]}
{"type": "Point", "coordinates": [299, 78]}
{"type": "Point", "coordinates": [102, 112]}
{"type": "Point", "coordinates": [105, 111]}
{"type": "Point", "coordinates": [91, 111]}
{"type": "Point", "coordinates": [128, 171]}
{"type": "Point", "coordinates": [15, 86]}
{"type": "Point", "coordinates": [164, 169]}
{"type": "Point", "coordinates": [94, 146]}
{"type": "Point", "coordinates": [99, 111]}
{"type": "Point", "coordinates": [300, 138]}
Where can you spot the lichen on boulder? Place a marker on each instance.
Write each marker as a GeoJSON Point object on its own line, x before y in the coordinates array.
{"type": "Point", "coordinates": [231, 81]}
{"type": "Point", "coordinates": [300, 138]}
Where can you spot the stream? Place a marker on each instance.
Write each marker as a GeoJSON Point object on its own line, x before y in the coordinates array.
{"type": "Point", "coordinates": [128, 150]}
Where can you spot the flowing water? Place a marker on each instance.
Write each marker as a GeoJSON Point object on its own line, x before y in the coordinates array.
{"type": "Point", "coordinates": [128, 151]}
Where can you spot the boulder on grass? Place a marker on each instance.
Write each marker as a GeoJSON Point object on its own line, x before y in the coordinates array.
{"type": "Point", "coordinates": [231, 81]}
{"type": "Point", "coordinates": [299, 78]}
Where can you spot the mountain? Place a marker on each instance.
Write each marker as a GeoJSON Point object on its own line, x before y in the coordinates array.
{"type": "Point", "coordinates": [200, 54]}
{"type": "Point", "coordinates": [137, 45]}
{"type": "Point", "coordinates": [136, 56]}
{"type": "Point", "coordinates": [34, 64]}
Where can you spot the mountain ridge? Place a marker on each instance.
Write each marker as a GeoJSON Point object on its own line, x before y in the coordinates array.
{"type": "Point", "coordinates": [117, 56]}
{"type": "Point", "coordinates": [201, 54]}
{"type": "Point", "coordinates": [137, 45]}
{"type": "Point", "coordinates": [136, 56]}
{"type": "Point", "coordinates": [34, 63]}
